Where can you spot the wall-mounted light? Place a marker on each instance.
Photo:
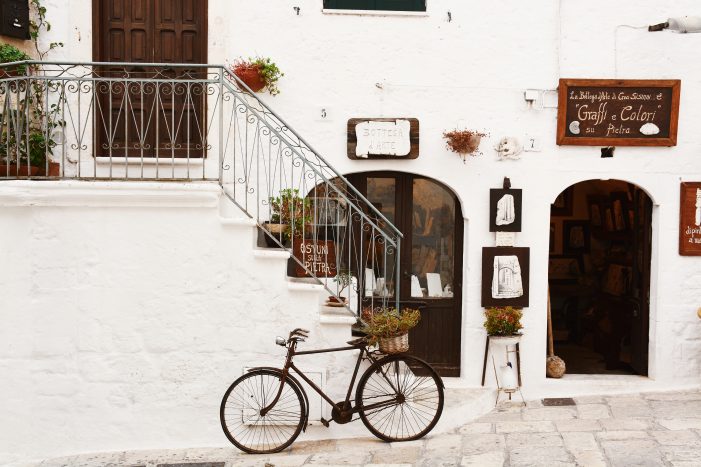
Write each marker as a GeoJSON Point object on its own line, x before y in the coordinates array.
{"type": "Point", "coordinates": [682, 24]}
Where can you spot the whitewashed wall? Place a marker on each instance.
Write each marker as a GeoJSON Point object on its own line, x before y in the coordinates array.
{"type": "Point", "coordinates": [472, 71]}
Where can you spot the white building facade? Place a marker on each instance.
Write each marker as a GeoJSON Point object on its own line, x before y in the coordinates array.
{"type": "Point", "coordinates": [130, 302]}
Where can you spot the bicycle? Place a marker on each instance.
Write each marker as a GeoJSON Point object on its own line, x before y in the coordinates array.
{"type": "Point", "coordinates": [265, 410]}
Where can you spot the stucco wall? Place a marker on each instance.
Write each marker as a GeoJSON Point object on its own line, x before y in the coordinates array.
{"type": "Point", "coordinates": [472, 71]}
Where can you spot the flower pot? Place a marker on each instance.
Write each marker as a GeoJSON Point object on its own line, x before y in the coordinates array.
{"type": "Point", "coordinates": [396, 344]}
{"type": "Point", "coordinates": [278, 231]}
{"type": "Point", "coordinates": [250, 75]}
{"type": "Point", "coordinates": [54, 170]}
{"type": "Point", "coordinates": [13, 170]}
{"type": "Point", "coordinates": [506, 340]}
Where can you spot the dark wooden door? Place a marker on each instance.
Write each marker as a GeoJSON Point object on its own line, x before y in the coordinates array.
{"type": "Point", "coordinates": [153, 111]}
{"type": "Point", "coordinates": [640, 286]}
{"type": "Point", "coordinates": [429, 216]}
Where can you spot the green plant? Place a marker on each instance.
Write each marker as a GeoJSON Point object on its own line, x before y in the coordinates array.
{"type": "Point", "coordinates": [384, 322]}
{"type": "Point", "coordinates": [343, 279]}
{"type": "Point", "coordinates": [9, 53]}
{"type": "Point", "coordinates": [503, 321]}
{"type": "Point", "coordinates": [463, 142]}
{"type": "Point", "coordinates": [267, 69]}
{"type": "Point", "coordinates": [291, 209]}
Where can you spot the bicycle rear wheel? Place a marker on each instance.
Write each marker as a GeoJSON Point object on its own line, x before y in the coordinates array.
{"type": "Point", "coordinates": [242, 421]}
{"type": "Point", "coordinates": [396, 404]}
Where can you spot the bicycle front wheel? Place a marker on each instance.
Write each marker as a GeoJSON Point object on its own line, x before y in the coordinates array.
{"type": "Point", "coordinates": [240, 412]}
{"type": "Point", "coordinates": [396, 401]}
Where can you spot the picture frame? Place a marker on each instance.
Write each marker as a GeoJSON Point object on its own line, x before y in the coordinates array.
{"type": "Point", "coordinates": [690, 219]}
{"type": "Point", "coordinates": [565, 269]}
{"type": "Point", "coordinates": [562, 206]}
{"type": "Point", "coordinates": [505, 276]}
{"type": "Point", "coordinates": [505, 210]}
{"type": "Point", "coordinates": [596, 214]}
{"type": "Point", "coordinates": [617, 279]}
{"type": "Point", "coordinates": [619, 210]}
{"type": "Point", "coordinates": [553, 238]}
{"type": "Point", "coordinates": [576, 237]}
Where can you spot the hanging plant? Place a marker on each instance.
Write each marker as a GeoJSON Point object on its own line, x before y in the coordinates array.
{"type": "Point", "coordinates": [464, 142]}
{"type": "Point", "coordinates": [258, 73]}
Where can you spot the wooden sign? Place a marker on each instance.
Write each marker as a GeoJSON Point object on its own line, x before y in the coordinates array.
{"type": "Point", "coordinates": [383, 138]}
{"type": "Point", "coordinates": [604, 112]}
{"type": "Point", "coordinates": [318, 256]}
{"type": "Point", "coordinates": [690, 219]}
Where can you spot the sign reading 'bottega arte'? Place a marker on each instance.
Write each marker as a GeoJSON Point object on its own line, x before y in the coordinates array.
{"type": "Point", "coordinates": [597, 112]}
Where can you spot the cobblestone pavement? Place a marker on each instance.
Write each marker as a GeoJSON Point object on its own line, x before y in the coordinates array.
{"type": "Point", "coordinates": [655, 429]}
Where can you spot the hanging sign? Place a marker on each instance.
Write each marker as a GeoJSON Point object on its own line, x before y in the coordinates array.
{"type": "Point", "coordinates": [383, 138]}
{"type": "Point", "coordinates": [690, 219]}
{"type": "Point", "coordinates": [604, 112]}
{"type": "Point", "coordinates": [318, 256]}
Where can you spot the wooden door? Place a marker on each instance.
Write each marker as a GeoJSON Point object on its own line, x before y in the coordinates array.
{"type": "Point", "coordinates": [148, 118]}
{"type": "Point", "coordinates": [640, 286]}
{"type": "Point", "coordinates": [429, 216]}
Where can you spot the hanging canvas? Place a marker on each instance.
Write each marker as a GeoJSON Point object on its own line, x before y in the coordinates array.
{"type": "Point", "coordinates": [505, 276]}
{"type": "Point", "coordinates": [690, 219]}
{"type": "Point", "coordinates": [505, 209]}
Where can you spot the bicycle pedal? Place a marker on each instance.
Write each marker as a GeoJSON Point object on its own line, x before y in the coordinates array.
{"type": "Point", "coordinates": [324, 422]}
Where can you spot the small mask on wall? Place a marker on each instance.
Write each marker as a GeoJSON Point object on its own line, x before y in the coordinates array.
{"type": "Point", "coordinates": [509, 147]}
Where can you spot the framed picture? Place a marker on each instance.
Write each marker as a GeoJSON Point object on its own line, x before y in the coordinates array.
{"type": "Point", "coordinates": [690, 219]}
{"type": "Point", "coordinates": [565, 269]}
{"type": "Point", "coordinates": [563, 204]}
{"type": "Point", "coordinates": [505, 276]}
{"type": "Point", "coordinates": [619, 210]}
{"type": "Point", "coordinates": [576, 237]}
{"type": "Point", "coordinates": [505, 208]}
{"type": "Point", "coordinates": [617, 280]}
{"type": "Point", "coordinates": [596, 217]}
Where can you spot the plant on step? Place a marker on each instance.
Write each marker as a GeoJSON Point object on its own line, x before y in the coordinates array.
{"type": "Point", "coordinates": [343, 279]}
{"type": "Point", "coordinates": [291, 210]}
{"type": "Point", "coordinates": [464, 142]}
{"type": "Point", "coordinates": [8, 54]}
{"type": "Point", "coordinates": [387, 322]}
{"type": "Point", "coordinates": [258, 73]}
{"type": "Point", "coordinates": [503, 321]}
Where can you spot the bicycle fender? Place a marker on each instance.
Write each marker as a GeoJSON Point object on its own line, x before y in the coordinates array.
{"type": "Point", "coordinates": [294, 381]}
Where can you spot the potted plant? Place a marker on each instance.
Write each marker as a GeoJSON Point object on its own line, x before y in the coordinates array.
{"type": "Point", "coordinates": [258, 73]}
{"type": "Point", "coordinates": [343, 279]}
{"type": "Point", "coordinates": [290, 214]}
{"type": "Point", "coordinates": [464, 142]}
{"type": "Point", "coordinates": [503, 323]}
{"type": "Point", "coordinates": [389, 328]}
{"type": "Point", "coordinates": [8, 54]}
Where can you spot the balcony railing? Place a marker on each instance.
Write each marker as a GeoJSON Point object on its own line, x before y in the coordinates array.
{"type": "Point", "coordinates": [147, 121]}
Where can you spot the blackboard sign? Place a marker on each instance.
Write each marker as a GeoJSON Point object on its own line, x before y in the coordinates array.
{"type": "Point", "coordinates": [318, 256]}
{"type": "Point", "coordinates": [602, 112]}
{"type": "Point", "coordinates": [690, 219]}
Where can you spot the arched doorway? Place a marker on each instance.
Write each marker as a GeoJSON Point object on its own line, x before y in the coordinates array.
{"type": "Point", "coordinates": [430, 218]}
{"type": "Point", "coordinates": [599, 277]}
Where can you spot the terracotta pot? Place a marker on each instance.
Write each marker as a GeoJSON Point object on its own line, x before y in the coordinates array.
{"type": "Point", "coordinates": [334, 299]}
{"type": "Point", "coordinates": [250, 75]}
{"type": "Point", "coordinates": [13, 170]}
{"type": "Point", "coordinates": [54, 170]}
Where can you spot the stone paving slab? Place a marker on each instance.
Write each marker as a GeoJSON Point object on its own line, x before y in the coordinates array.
{"type": "Point", "coordinates": [649, 429]}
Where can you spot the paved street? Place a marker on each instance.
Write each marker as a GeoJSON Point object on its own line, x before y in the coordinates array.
{"type": "Point", "coordinates": [655, 429]}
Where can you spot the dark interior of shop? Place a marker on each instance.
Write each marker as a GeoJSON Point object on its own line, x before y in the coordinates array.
{"type": "Point", "coordinates": [599, 275]}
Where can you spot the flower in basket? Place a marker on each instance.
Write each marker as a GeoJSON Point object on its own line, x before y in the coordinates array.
{"type": "Point", "coordinates": [385, 323]}
{"type": "Point", "coordinates": [464, 142]}
{"type": "Point", "coordinates": [258, 73]}
{"type": "Point", "coordinates": [503, 321]}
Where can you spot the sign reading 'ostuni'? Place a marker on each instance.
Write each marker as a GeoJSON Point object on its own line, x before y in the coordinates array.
{"type": "Point", "coordinates": [618, 112]}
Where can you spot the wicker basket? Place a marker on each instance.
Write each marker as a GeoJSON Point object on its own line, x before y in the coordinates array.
{"type": "Point", "coordinates": [391, 345]}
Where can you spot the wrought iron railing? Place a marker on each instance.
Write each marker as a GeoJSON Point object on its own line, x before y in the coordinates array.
{"type": "Point", "coordinates": [136, 121]}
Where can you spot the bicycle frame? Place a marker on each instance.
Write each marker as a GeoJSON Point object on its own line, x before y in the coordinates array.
{"type": "Point", "coordinates": [289, 365]}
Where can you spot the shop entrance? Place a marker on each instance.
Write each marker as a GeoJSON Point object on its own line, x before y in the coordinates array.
{"type": "Point", "coordinates": [429, 216]}
{"type": "Point", "coordinates": [599, 276]}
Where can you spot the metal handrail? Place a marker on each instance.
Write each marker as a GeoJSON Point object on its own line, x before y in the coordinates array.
{"type": "Point", "coordinates": [163, 121]}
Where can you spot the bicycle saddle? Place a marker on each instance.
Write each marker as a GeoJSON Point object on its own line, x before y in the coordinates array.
{"type": "Point", "coordinates": [357, 341]}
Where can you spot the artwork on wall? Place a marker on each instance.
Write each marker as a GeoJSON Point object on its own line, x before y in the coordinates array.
{"type": "Point", "coordinates": [576, 237]}
{"type": "Point", "coordinates": [383, 138]}
{"type": "Point", "coordinates": [562, 206]}
{"type": "Point", "coordinates": [565, 269]}
{"type": "Point", "coordinates": [505, 276]}
{"type": "Point", "coordinates": [690, 219]}
{"type": "Point", "coordinates": [505, 209]}
{"type": "Point", "coordinates": [595, 215]}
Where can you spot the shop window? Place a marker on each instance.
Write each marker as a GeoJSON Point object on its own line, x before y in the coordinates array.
{"type": "Point", "coordinates": [387, 5]}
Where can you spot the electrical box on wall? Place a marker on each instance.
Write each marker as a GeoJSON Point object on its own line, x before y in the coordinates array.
{"type": "Point", "coordinates": [14, 18]}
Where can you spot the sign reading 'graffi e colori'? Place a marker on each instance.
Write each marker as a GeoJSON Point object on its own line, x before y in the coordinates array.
{"type": "Point", "coordinates": [597, 112]}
